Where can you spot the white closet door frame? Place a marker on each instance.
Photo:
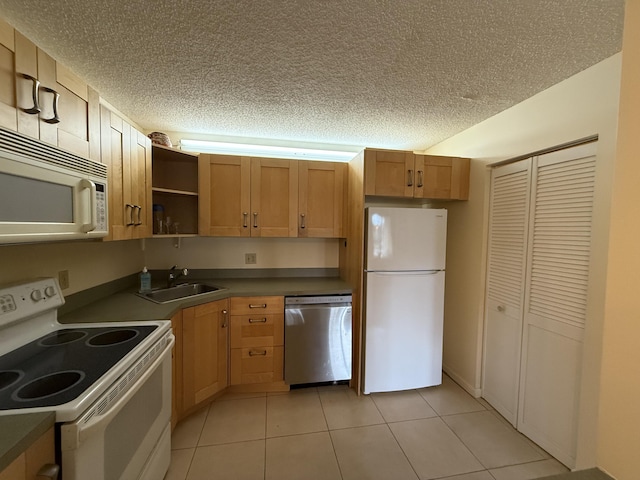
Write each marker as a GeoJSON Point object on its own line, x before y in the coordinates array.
{"type": "Point", "coordinates": [506, 268]}
{"type": "Point", "coordinates": [556, 298]}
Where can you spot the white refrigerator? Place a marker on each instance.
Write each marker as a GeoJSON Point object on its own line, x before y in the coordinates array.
{"type": "Point", "coordinates": [404, 298]}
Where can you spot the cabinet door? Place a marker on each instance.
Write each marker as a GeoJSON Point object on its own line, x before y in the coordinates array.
{"type": "Point", "coordinates": [127, 152]}
{"type": "Point", "coordinates": [116, 154]}
{"type": "Point", "coordinates": [140, 174]}
{"type": "Point", "coordinates": [442, 177]}
{"type": "Point", "coordinates": [224, 195]}
{"type": "Point", "coordinates": [389, 173]}
{"type": "Point", "coordinates": [205, 342]}
{"type": "Point", "coordinates": [322, 191]}
{"type": "Point", "coordinates": [274, 197]}
{"type": "Point", "coordinates": [8, 112]}
{"type": "Point", "coordinates": [27, 96]}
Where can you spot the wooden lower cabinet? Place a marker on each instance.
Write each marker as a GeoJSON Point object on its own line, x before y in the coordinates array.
{"type": "Point", "coordinates": [205, 347]}
{"type": "Point", "coordinates": [29, 463]}
{"type": "Point", "coordinates": [257, 343]}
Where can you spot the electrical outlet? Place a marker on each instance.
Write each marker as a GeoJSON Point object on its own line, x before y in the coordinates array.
{"type": "Point", "coordinates": [63, 279]}
{"type": "Point", "coordinates": [250, 258]}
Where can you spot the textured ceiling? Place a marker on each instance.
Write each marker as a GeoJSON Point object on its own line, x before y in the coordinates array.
{"type": "Point", "coordinates": [381, 73]}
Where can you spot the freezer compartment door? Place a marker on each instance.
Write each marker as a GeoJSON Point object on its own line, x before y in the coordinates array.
{"type": "Point", "coordinates": [406, 239]}
{"type": "Point", "coordinates": [317, 343]}
{"type": "Point", "coordinates": [403, 330]}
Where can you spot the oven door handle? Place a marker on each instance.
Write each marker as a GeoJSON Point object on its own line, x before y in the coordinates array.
{"type": "Point", "coordinates": [84, 427]}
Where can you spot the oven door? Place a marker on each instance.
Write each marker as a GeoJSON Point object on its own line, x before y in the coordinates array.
{"type": "Point", "coordinates": [125, 437]}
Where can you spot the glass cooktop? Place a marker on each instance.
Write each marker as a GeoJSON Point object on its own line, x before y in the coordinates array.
{"type": "Point", "coordinates": [58, 367]}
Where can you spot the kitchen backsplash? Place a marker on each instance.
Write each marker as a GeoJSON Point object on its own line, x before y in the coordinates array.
{"type": "Point", "coordinates": [229, 253]}
{"type": "Point", "coordinates": [90, 264]}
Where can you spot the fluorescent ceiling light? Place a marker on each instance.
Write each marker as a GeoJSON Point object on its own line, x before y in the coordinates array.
{"type": "Point", "coordinates": [205, 146]}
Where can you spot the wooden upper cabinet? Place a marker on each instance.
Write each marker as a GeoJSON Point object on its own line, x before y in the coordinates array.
{"type": "Point", "coordinates": [205, 344]}
{"type": "Point", "coordinates": [444, 177]}
{"type": "Point", "coordinates": [322, 192]}
{"type": "Point", "coordinates": [242, 196]}
{"type": "Point", "coordinates": [52, 103]}
{"type": "Point", "coordinates": [127, 153]}
{"type": "Point", "coordinates": [389, 173]}
{"type": "Point", "coordinates": [274, 197]}
{"type": "Point", "coordinates": [225, 195]}
{"type": "Point", "coordinates": [8, 110]}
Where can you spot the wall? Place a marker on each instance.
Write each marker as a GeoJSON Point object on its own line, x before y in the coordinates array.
{"type": "Point", "coordinates": [89, 263]}
{"type": "Point", "coordinates": [619, 440]}
{"type": "Point", "coordinates": [207, 252]}
{"type": "Point", "coordinates": [583, 105]}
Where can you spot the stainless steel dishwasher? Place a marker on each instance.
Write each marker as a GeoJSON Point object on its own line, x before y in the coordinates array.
{"type": "Point", "coordinates": [317, 339]}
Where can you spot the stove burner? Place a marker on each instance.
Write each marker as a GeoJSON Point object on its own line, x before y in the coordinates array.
{"type": "Point", "coordinates": [112, 338]}
{"type": "Point", "coordinates": [61, 337]}
{"type": "Point", "coordinates": [9, 377]}
{"type": "Point", "coordinates": [48, 385]}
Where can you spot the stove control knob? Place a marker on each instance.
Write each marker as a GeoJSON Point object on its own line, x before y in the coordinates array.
{"type": "Point", "coordinates": [50, 291]}
{"type": "Point", "coordinates": [36, 295]}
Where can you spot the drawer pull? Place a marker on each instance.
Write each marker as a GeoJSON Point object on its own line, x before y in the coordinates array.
{"type": "Point", "coordinates": [262, 305]}
{"type": "Point", "coordinates": [253, 353]}
{"type": "Point", "coordinates": [224, 315]}
{"type": "Point", "coordinates": [258, 320]}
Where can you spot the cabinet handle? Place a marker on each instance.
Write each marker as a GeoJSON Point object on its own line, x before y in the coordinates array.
{"type": "Point", "coordinates": [50, 471]}
{"type": "Point", "coordinates": [258, 320]}
{"type": "Point", "coordinates": [56, 99]}
{"type": "Point", "coordinates": [255, 219]}
{"type": "Point", "coordinates": [34, 95]}
{"type": "Point", "coordinates": [501, 308]}
{"type": "Point", "coordinates": [244, 220]}
{"type": "Point", "coordinates": [302, 225]}
{"type": "Point", "coordinates": [420, 178]}
{"type": "Point", "coordinates": [224, 315]}
{"type": "Point", "coordinates": [262, 305]}
{"type": "Point", "coordinates": [131, 207]}
{"type": "Point", "coordinates": [409, 178]}
{"type": "Point", "coordinates": [253, 353]}
{"type": "Point", "coordinates": [139, 209]}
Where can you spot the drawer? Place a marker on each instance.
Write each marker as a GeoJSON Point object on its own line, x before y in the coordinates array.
{"type": "Point", "coordinates": [257, 365]}
{"type": "Point", "coordinates": [257, 330]}
{"type": "Point", "coordinates": [256, 305]}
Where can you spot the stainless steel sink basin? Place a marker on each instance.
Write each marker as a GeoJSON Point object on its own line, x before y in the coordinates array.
{"type": "Point", "coordinates": [179, 292]}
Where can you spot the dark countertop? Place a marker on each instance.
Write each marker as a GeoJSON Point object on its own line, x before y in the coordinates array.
{"type": "Point", "coordinates": [20, 431]}
{"type": "Point", "coordinates": [126, 306]}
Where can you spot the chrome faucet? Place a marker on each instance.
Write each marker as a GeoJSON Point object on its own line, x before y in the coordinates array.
{"type": "Point", "coordinates": [173, 276]}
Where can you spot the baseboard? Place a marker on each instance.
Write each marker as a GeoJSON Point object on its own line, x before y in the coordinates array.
{"type": "Point", "coordinates": [475, 392]}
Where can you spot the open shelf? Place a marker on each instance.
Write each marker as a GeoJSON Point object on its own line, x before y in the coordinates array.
{"type": "Point", "coordinates": [175, 188]}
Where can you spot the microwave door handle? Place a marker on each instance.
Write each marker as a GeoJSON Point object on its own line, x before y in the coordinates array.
{"type": "Point", "coordinates": [88, 227]}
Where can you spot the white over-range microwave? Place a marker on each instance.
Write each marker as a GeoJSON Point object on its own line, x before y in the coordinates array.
{"type": "Point", "coordinates": [47, 194]}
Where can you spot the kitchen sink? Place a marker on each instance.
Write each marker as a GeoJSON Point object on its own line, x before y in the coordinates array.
{"type": "Point", "coordinates": [179, 292]}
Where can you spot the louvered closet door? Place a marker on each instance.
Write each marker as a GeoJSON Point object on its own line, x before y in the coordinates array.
{"type": "Point", "coordinates": [507, 255]}
{"type": "Point", "coordinates": [556, 298]}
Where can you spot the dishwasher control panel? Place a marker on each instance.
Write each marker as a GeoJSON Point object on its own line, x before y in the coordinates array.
{"type": "Point", "coordinates": [317, 299]}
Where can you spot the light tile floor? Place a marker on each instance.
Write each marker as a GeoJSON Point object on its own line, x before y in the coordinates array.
{"type": "Point", "coordinates": [329, 433]}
